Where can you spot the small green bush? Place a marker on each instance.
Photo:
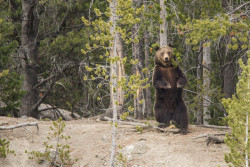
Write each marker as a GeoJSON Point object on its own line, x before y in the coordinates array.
{"type": "Point", "coordinates": [4, 148]}
{"type": "Point", "coordinates": [56, 154]}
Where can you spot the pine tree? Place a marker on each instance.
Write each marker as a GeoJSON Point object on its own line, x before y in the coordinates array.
{"type": "Point", "coordinates": [238, 109]}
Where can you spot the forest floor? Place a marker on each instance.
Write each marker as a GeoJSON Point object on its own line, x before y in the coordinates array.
{"type": "Point", "coordinates": [90, 143]}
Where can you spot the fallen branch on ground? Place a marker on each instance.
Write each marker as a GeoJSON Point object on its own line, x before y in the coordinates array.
{"type": "Point", "coordinates": [20, 126]}
{"type": "Point", "coordinates": [213, 139]}
{"type": "Point", "coordinates": [214, 126]}
{"type": "Point", "coordinates": [143, 125]}
{"type": "Point", "coordinates": [3, 123]}
{"type": "Point", "coordinates": [206, 134]}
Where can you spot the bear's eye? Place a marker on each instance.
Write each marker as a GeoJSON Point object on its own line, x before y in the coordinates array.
{"type": "Point", "coordinates": [169, 53]}
{"type": "Point", "coordinates": [162, 54]}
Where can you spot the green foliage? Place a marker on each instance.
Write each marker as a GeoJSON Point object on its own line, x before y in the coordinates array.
{"type": "Point", "coordinates": [58, 153]}
{"type": "Point", "coordinates": [4, 148]}
{"type": "Point", "coordinates": [212, 30]}
{"type": "Point", "coordinates": [10, 92]}
{"type": "Point", "coordinates": [121, 159]}
{"type": "Point", "coordinates": [124, 115]}
{"type": "Point", "coordinates": [10, 81]}
{"type": "Point", "coordinates": [102, 40]}
{"type": "Point", "coordinates": [238, 109]}
{"type": "Point", "coordinates": [139, 129]}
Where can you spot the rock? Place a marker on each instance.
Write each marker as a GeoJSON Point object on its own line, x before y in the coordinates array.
{"type": "Point", "coordinates": [47, 111]}
{"type": "Point", "coordinates": [24, 117]}
{"type": "Point", "coordinates": [134, 150]}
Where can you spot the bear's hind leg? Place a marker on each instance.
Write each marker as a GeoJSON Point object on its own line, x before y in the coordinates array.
{"type": "Point", "coordinates": [181, 117]}
{"type": "Point", "coordinates": [161, 114]}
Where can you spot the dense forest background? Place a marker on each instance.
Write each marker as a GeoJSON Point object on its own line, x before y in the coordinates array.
{"type": "Point", "coordinates": [59, 52]}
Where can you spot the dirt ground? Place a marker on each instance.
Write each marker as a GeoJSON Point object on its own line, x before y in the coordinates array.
{"type": "Point", "coordinates": [91, 141]}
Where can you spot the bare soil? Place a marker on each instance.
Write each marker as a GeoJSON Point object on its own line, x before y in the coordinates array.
{"type": "Point", "coordinates": [91, 141]}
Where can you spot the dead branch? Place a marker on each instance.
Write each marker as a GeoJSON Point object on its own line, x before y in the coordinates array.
{"type": "Point", "coordinates": [213, 139]}
{"type": "Point", "coordinates": [238, 8]}
{"type": "Point", "coordinates": [53, 79]}
{"type": "Point", "coordinates": [126, 122]}
{"type": "Point", "coordinates": [132, 119]}
{"type": "Point", "coordinates": [3, 123]}
{"type": "Point", "coordinates": [60, 114]}
{"type": "Point", "coordinates": [214, 126]}
{"type": "Point", "coordinates": [20, 126]}
{"type": "Point", "coordinates": [143, 125]}
{"type": "Point", "coordinates": [29, 132]}
{"type": "Point", "coordinates": [206, 134]}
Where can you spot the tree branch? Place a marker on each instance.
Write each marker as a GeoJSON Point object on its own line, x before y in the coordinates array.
{"type": "Point", "coordinates": [20, 126]}
{"type": "Point", "coordinates": [43, 82]}
{"type": "Point", "coordinates": [238, 8]}
{"type": "Point", "coordinates": [56, 77]}
{"type": "Point", "coordinates": [143, 125]}
{"type": "Point", "coordinates": [206, 134]}
{"type": "Point", "coordinates": [214, 126]}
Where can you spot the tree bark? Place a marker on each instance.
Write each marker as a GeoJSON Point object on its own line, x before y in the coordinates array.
{"type": "Point", "coordinates": [115, 74]}
{"type": "Point", "coordinates": [228, 71]}
{"type": "Point", "coordinates": [199, 83]}
{"type": "Point", "coordinates": [148, 93]}
{"type": "Point", "coordinates": [28, 55]}
{"type": "Point", "coordinates": [139, 108]}
{"type": "Point", "coordinates": [163, 26]}
{"type": "Point", "coordinates": [117, 70]}
{"type": "Point", "coordinates": [206, 83]}
{"type": "Point", "coordinates": [228, 79]}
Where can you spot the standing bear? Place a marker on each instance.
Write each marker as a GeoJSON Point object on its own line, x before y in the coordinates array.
{"type": "Point", "coordinates": [168, 81]}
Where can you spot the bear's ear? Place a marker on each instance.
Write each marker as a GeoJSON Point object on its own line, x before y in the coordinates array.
{"type": "Point", "coordinates": [157, 48]}
{"type": "Point", "coordinates": [171, 45]}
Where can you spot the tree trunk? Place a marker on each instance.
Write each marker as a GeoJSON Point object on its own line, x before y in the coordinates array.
{"type": "Point", "coordinates": [148, 93]}
{"type": "Point", "coordinates": [115, 75]}
{"type": "Point", "coordinates": [139, 108]}
{"type": "Point", "coordinates": [163, 26]}
{"type": "Point", "coordinates": [28, 55]}
{"type": "Point", "coordinates": [199, 83]}
{"type": "Point", "coordinates": [228, 79]}
{"type": "Point", "coordinates": [117, 70]}
{"type": "Point", "coordinates": [206, 83]}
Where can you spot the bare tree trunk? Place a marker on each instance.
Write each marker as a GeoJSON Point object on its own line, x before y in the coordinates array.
{"type": "Point", "coordinates": [148, 93]}
{"type": "Point", "coordinates": [28, 55]}
{"type": "Point", "coordinates": [120, 72]}
{"type": "Point", "coordinates": [206, 83]}
{"type": "Point", "coordinates": [199, 82]}
{"type": "Point", "coordinates": [114, 76]}
{"type": "Point", "coordinates": [117, 70]}
{"type": "Point", "coordinates": [163, 26]}
{"type": "Point", "coordinates": [139, 108]}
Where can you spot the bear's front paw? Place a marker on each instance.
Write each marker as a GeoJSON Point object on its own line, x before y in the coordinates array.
{"type": "Point", "coordinates": [166, 86]}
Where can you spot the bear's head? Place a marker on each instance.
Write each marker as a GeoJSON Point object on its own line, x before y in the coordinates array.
{"type": "Point", "coordinates": [164, 56]}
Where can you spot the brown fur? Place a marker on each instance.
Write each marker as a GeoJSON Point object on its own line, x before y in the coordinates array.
{"type": "Point", "coordinates": [168, 81]}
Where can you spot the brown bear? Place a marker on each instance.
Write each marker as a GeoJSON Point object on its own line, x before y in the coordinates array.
{"type": "Point", "coordinates": [168, 81]}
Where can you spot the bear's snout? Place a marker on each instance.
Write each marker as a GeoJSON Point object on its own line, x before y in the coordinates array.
{"type": "Point", "coordinates": [166, 59]}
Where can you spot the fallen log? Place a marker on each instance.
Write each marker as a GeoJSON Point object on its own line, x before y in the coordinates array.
{"type": "Point", "coordinates": [214, 126]}
{"type": "Point", "coordinates": [206, 134]}
{"type": "Point", "coordinates": [21, 125]}
{"type": "Point", "coordinates": [213, 139]}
